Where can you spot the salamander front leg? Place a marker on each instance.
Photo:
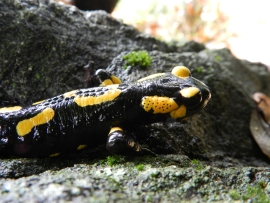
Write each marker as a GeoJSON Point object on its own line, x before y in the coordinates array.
{"type": "Point", "coordinates": [120, 143]}
{"type": "Point", "coordinates": [104, 78]}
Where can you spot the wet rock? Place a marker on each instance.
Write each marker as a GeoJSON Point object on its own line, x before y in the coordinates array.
{"type": "Point", "coordinates": [45, 45]}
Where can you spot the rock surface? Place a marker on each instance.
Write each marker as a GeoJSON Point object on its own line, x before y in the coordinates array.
{"type": "Point", "coordinates": [43, 48]}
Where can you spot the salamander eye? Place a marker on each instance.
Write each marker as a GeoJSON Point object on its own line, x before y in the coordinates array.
{"type": "Point", "coordinates": [181, 72]}
{"type": "Point", "coordinates": [191, 96]}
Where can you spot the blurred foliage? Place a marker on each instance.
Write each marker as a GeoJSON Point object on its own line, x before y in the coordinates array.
{"type": "Point", "coordinates": [181, 20]}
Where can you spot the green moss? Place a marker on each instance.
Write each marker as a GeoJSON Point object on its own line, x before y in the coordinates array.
{"type": "Point", "coordinates": [256, 193]}
{"type": "Point", "coordinates": [199, 69]}
{"type": "Point", "coordinates": [235, 195]}
{"type": "Point", "coordinates": [210, 69]}
{"type": "Point", "coordinates": [37, 76]}
{"type": "Point", "coordinates": [197, 164]}
{"type": "Point", "coordinates": [140, 167]}
{"type": "Point", "coordinates": [114, 182]}
{"type": "Point", "coordinates": [140, 58]}
{"type": "Point", "coordinates": [153, 175]}
{"type": "Point", "coordinates": [115, 159]}
{"type": "Point", "coordinates": [218, 58]}
{"type": "Point", "coordinates": [263, 184]}
{"type": "Point", "coordinates": [205, 151]}
{"type": "Point", "coordinates": [102, 162]}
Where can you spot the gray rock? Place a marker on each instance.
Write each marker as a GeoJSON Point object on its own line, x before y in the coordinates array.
{"type": "Point", "coordinates": [125, 183]}
{"type": "Point", "coordinates": [43, 48]}
{"type": "Point", "coordinates": [46, 45]}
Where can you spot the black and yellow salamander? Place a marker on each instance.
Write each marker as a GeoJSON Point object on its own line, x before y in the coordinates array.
{"type": "Point", "coordinates": [84, 117]}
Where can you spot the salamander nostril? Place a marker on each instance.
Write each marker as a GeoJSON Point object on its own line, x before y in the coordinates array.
{"type": "Point", "coordinates": [206, 95]}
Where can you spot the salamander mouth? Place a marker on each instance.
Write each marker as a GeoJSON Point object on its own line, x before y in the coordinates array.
{"type": "Point", "coordinates": [206, 96]}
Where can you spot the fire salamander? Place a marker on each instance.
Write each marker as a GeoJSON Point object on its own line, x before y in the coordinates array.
{"type": "Point", "coordinates": [84, 117]}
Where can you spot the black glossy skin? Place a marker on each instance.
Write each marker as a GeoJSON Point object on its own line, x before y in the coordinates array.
{"type": "Point", "coordinates": [73, 125]}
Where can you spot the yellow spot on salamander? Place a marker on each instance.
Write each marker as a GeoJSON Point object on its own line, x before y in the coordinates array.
{"type": "Point", "coordinates": [54, 155]}
{"type": "Point", "coordinates": [179, 113]}
{"type": "Point", "coordinates": [10, 109]}
{"type": "Point", "coordinates": [110, 95]}
{"type": "Point", "coordinates": [106, 83]}
{"type": "Point", "coordinates": [150, 77]}
{"type": "Point", "coordinates": [181, 72]}
{"type": "Point", "coordinates": [24, 127]}
{"type": "Point", "coordinates": [189, 92]}
{"type": "Point", "coordinates": [80, 147]}
{"type": "Point", "coordinates": [38, 102]}
{"type": "Point", "coordinates": [115, 80]}
{"type": "Point", "coordinates": [69, 94]}
{"type": "Point", "coordinates": [159, 104]}
{"type": "Point", "coordinates": [115, 129]}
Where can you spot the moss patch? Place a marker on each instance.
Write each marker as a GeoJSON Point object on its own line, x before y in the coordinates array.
{"type": "Point", "coordinates": [235, 195]}
{"type": "Point", "coordinates": [254, 193]}
{"type": "Point", "coordinates": [202, 69]}
{"type": "Point", "coordinates": [140, 58]}
{"type": "Point", "coordinates": [115, 159]}
{"type": "Point", "coordinates": [197, 164]}
{"type": "Point", "coordinates": [140, 167]}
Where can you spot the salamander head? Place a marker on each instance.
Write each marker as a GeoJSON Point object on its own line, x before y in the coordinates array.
{"type": "Point", "coordinates": [179, 94]}
{"type": "Point", "coordinates": [192, 96]}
